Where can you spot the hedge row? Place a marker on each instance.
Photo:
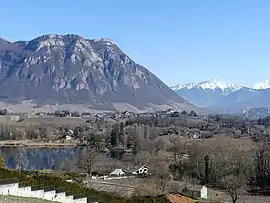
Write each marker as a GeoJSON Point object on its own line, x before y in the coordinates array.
{"type": "Point", "coordinates": [54, 182]}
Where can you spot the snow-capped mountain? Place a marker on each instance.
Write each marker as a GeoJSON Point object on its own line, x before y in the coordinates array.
{"type": "Point", "coordinates": [210, 85]}
{"type": "Point", "coordinates": [262, 85]}
{"type": "Point", "coordinates": [205, 93]}
{"type": "Point", "coordinates": [218, 96]}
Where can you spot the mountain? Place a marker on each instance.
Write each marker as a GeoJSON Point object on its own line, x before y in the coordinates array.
{"type": "Point", "coordinates": [261, 85]}
{"type": "Point", "coordinates": [243, 99]}
{"type": "Point", "coordinates": [236, 101]}
{"type": "Point", "coordinates": [218, 97]}
{"type": "Point", "coordinates": [205, 93]}
{"type": "Point", "coordinates": [255, 113]}
{"type": "Point", "coordinates": [68, 69]}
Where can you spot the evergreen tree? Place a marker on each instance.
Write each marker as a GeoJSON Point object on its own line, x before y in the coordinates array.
{"type": "Point", "coordinates": [114, 137]}
{"type": "Point", "coordinates": [121, 133]}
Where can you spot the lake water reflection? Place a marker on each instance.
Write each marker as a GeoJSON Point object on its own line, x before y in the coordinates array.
{"type": "Point", "coordinates": [40, 158]}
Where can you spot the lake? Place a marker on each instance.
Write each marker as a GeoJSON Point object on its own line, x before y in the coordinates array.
{"type": "Point", "coordinates": [40, 158]}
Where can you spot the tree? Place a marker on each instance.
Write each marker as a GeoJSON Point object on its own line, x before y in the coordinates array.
{"type": "Point", "coordinates": [184, 113]}
{"type": "Point", "coordinates": [177, 146]}
{"type": "Point", "coordinates": [142, 158]}
{"type": "Point", "coordinates": [22, 157]}
{"type": "Point", "coordinates": [121, 133]}
{"type": "Point", "coordinates": [193, 114]}
{"type": "Point", "coordinates": [114, 136]}
{"type": "Point", "coordinates": [88, 161]}
{"type": "Point", "coordinates": [94, 141]}
{"type": "Point", "coordinates": [206, 169]}
{"type": "Point", "coordinates": [161, 171]}
{"type": "Point", "coordinates": [2, 162]}
{"type": "Point", "coordinates": [233, 185]}
{"type": "Point", "coordinates": [145, 132]}
{"type": "Point", "coordinates": [66, 166]}
{"type": "Point", "coordinates": [175, 114]}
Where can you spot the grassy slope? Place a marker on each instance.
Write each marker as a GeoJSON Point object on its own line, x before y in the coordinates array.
{"type": "Point", "coordinates": [14, 199]}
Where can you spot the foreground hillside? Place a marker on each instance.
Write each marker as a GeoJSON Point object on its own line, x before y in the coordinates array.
{"type": "Point", "coordinates": [77, 190]}
{"type": "Point", "coordinates": [68, 69]}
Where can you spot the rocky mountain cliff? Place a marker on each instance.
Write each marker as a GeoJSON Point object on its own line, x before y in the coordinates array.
{"type": "Point", "coordinates": [68, 69]}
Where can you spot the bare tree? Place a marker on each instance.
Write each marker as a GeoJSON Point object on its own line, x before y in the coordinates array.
{"type": "Point", "coordinates": [88, 160]}
{"type": "Point", "coordinates": [22, 160]}
{"type": "Point", "coordinates": [67, 165]}
{"type": "Point", "coordinates": [177, 146]}
{"type": "Point", "coordinates": [233, 185]}
{"type": "Point", "coordinates": [142, 158]}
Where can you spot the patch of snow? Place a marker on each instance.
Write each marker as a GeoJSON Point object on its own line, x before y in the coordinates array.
{"type": "Point", "coordinates": [209, 85]}
{"type": "Point", "coordinates": [261, 85]}
{"type": "Point", "coordinates": [107, 41]}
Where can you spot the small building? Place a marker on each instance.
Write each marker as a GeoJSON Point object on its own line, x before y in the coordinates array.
{"type": "Point", "coordinates": [117, 172]}
{"type": "Point", "coordinates": [196, 191]}
{"type": "Point", "coordinates": [142, 170]}
{"type": "Point", "coordinates": [69, 137]}
{"type": "Point", "coordinates": [15, 118]}
{"type": "Point", "coordinates": [169, 111]}
{"type": "Point", "coordinates": [195, 136]}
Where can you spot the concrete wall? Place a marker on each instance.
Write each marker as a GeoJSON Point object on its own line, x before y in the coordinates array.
{"type": "Point", "coordinates": [37, 194]}
{"type": "Point", "coordinates": [69, 199]}
{"type": "Point", "coordinates": [82, 200]}
{"type": "Point", "coordinates": [15, 190]}
{"type": "Point", "coordinates": [59, 197]}
{"type": "Point", "coordinates": [24, 192]}
{"type": "Point", "coordinates": [9, 189]}
{"type": "Point", "coordinates": [49, 195]}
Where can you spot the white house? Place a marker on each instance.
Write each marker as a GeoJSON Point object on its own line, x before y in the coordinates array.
{"type": "Point", "coordinates": [143, 170]}
{"type": "Point", "coordinates": [195, 136]}
{"type": "Point", "coordinates": [68, 137]}
{"type": "Point", "coordinates": [117, 172]}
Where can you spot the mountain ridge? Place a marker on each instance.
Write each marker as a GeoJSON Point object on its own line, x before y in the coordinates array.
{"type": "Point", "coordinates": [69, 69]}
{"type": "Point", "coordinates": [216, 96]}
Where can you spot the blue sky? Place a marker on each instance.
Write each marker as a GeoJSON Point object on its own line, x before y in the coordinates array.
{"type": "Point", "coordinates": [180, 41]}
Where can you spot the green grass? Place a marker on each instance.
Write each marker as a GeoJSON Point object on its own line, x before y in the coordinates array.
{"type": "Point", "coordinates": [15, 199]}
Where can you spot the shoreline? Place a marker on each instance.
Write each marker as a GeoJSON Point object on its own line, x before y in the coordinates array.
{"type": "Point", "coordinates": [29, 144]}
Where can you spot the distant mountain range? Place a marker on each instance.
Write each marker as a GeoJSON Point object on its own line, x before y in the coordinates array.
{"type": "Point", "coordinates": [218, 96]}
{"type": "Point", "coordinates": [68, 69]}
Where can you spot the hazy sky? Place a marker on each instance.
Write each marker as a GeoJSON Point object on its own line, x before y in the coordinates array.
{"type": "Point", "coordinates": [178, 40]}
